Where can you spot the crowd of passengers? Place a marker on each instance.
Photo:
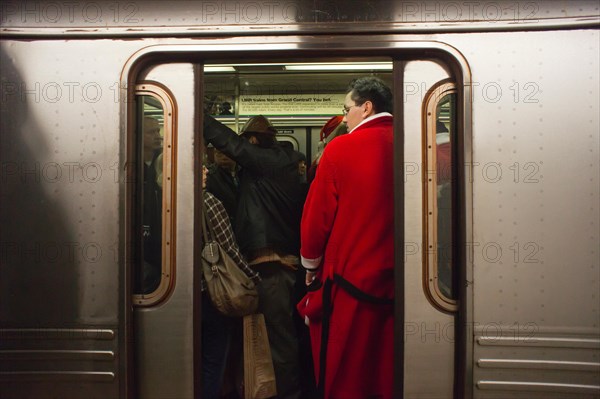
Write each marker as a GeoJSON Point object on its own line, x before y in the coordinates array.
{"type": "Point", "coordinates": [319, 245]}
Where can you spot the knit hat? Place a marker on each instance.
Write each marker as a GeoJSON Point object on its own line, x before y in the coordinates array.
{"type": "Point", "coordinates": [258, 124]}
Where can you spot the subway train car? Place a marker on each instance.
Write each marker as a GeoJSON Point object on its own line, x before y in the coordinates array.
{"type": "Point", "coordinates": [497, 182]}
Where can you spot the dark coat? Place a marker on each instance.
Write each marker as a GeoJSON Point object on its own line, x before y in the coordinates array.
{"type": "Point", "coordinates": [224, 186]}
{"type": "Point", "coordinates": [271, 195]}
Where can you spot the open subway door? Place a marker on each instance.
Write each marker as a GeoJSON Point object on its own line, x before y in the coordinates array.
{"type": "Point", "coordinates": [432, 232]}
{"type": "Point", "coordinates": [428, 200]}
{"type": "Point", "coordinates": [162, 226]}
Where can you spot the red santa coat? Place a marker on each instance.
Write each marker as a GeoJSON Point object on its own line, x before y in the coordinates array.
{"type": "Point", "coordinates": [348, 220]}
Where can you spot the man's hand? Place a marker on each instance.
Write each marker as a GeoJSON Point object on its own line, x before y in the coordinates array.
{"type": "Point", "coordinates": [310, 276]}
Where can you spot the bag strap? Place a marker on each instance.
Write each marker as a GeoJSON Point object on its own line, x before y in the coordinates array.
{"type": "Point", "coordinates": [206, 223]}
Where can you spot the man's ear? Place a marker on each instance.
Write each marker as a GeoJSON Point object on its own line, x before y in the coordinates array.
{"type": "Point", "coordinates": [253, 140]}
{"type": "Point", "coordinates": [369, 110]}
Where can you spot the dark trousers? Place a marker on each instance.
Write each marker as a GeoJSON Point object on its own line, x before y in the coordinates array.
{"type": "Point", "coordinates": [276, 304]}
{"type": "Point", "coordinates": [216, 332]}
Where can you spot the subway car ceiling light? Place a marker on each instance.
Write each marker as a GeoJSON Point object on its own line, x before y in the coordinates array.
{"type": "Point", "coordinates": [337, 66]}
{"type": "Point", "coordinates": [372, 66]}
{"type": "Point", "coordinates": [218, 68]}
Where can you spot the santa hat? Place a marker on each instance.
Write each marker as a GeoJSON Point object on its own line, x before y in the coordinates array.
{"type": "Point", "coordinates": [330, 126]}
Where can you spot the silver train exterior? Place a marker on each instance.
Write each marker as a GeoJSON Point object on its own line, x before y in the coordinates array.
{"type": "Point", "coordinates": [522, 80]}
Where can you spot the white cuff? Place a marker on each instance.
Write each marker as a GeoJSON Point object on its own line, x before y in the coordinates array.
{"type": "Point", "coordinates": [311, 264]}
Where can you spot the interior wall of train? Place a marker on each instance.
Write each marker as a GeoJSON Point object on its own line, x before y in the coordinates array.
{"type": "Point", "coordinates": [497, 182]}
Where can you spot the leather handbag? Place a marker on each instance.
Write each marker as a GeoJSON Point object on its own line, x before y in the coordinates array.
{"type": "Point", "coordinates": [231, 291]}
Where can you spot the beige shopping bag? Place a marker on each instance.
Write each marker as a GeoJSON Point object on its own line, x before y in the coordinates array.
{"type": "Point", "coordinates": [259, 375]}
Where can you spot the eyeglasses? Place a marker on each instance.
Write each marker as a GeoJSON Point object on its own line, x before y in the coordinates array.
{"type": "Point", "coordinates": [345, 110]}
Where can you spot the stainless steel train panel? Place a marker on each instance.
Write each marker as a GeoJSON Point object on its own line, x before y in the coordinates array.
{"type": "Point", "coordinates": [249, 17]}
{"type": "Point", "coordinates": [428, 333]}
{"type": "Point", "coordinates": [61, 284]}
{"type": "Point", "coordinates": [164, 333]}
{"type": "Point", "coordinates": [534, 328]}
{"type": "Point", "coordinates": [536, 190]}
{"type": "Point", "coordinates": [38, 363]}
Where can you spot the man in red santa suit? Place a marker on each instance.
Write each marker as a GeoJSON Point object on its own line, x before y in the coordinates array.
{"type": "Point", "coordinates": [347, 238]}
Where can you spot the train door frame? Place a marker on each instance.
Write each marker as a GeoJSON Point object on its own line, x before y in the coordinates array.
{"type": "Point", "coordinates": [400, 51]}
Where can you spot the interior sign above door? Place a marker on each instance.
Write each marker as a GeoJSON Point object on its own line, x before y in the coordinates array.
{"type": "Point", "coordinates": [292, 104]}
